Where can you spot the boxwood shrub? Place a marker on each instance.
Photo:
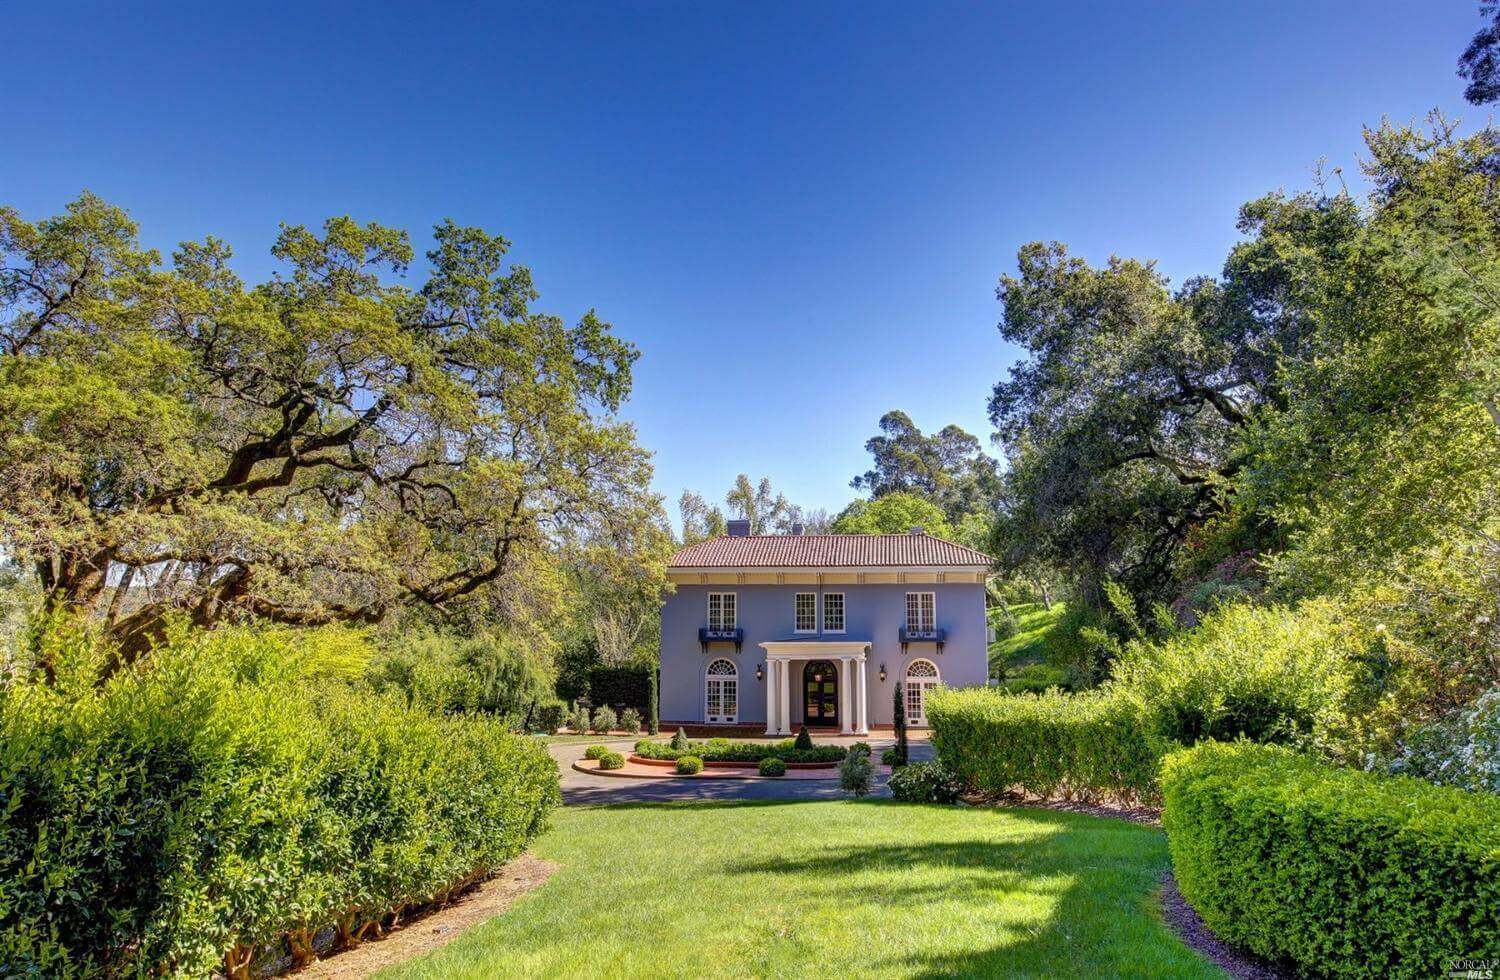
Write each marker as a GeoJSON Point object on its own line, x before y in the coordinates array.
{"type": "Point", "coordinates": [723, 750]}
{"type": "Point", "coordinates": [596, 751]}
{"type": "Point", "coordinates": [689, 765]}
{"type": "Point", "coordinates": [611, 760]}
{"type": "Point", "coordinates": [211, 805]}
{"type": "Point", "coordinates": [772, 766]}
{"type": "Point", "coordinates": [1336, 871]}
{"type": "Point", "coordinates": [1086, 747]}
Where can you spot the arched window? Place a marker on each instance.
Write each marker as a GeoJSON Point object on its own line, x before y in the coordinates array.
{"type": "Point", "coordinates": [721, 693]}
{"type": "Point", "coordinates": [921, 676]}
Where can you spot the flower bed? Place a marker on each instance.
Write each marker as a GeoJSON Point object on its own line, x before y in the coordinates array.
{"type": "Point", "coordinates": [719, 750]}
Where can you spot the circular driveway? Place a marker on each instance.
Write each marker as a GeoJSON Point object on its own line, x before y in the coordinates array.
{"type": "Point", "coordinates": [581, 788]}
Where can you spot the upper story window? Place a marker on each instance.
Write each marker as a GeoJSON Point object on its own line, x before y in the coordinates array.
{"type": "Point", "coordinates": [833, 612]}
{"type": "Point", "coordinates": [921, 611]}
{"type": "Point", "coordinates": [721, 611]}
{"type": "Point", "coordinates": [807, 612]}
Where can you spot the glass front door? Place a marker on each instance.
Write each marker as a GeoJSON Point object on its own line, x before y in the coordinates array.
{"type": "Point", "coordinates": [820, 693]}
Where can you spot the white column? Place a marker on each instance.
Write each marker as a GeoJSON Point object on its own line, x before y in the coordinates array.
{"type": "Point", "coordinates": [862, 727]}
{"type": "Point", "coordinates": [784, 719]}
{"type": "Point", "coordinates": [846, 699]}
{"type": "Point", "coordinates": [770, 696]}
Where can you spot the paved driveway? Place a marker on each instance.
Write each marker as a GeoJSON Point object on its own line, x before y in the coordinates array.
{"type": "Point", "coordinates": [585, 788]}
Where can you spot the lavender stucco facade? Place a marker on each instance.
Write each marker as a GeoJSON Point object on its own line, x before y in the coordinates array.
{"type": "Point", "coordinates": [781, 631]}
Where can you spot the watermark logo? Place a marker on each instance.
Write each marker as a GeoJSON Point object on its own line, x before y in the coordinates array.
{"type": "Point", "coordinates": [1473, 969]}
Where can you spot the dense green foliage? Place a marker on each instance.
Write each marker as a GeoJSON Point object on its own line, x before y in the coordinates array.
{"type": "Point", "coordinates": [612, 760]}
{"type": "Point", "coordinates": [723, 750]}
{"type": "Point", "coordinates": [1337, 872]}
{"type": "Point", "coordinates": [925, 782]}
{"type": "Point", "coordinates": [1460, 750]}
{"type": "Point", "coordinates": [895, 513]}
{"type": "Point", "coordinates": [901, 751]}
{"type": "Point", "coordinates": [328, 445]}
{"type": "Point", "coordinates": [689, 765]}
{"type": "Point", "coordinates": [772, 766]}
{"type": "Point", "coordinates": [947, 469]}
{"type": "Point", "coordinates": [1085, 746]}
{"type": "Point", "coordinates": [1267, 674]}
{"type": "Point", "coordinates": [856, 771]}
{"type": "Point", "coordinates": [227, 796]}
{"type": "Point", "coordinates": [622, 686]}
{"type": "Point", "coordinates": [447, 673]}
{"type": "Point", "coordinates": [1320, 420]}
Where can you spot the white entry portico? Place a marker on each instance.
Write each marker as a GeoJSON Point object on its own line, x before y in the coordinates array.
{"type": "Point", "coordinates": [853, 697]}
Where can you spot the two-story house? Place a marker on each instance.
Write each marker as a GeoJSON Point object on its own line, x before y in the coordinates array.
{"type": "Point", "coordinates": [816, 629]}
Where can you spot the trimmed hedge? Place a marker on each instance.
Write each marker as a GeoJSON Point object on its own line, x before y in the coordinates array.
{"type": "Point", "coordinates": [772, 766]}
{"type": "Point", "coordinates": [1337, 871]}
{"type": "Point", "coordinates": [628, 686]}
{"type": "Point", "coordinates": [1086, 747]}
{"type": "Point", "coordinates": [723, 750]}
{"type": "Point", "coordinates": [211, 806]}
{"type": "Point", "coordinates": [689, 765]}
{"type": "Point", "coordinates": [611, 760]}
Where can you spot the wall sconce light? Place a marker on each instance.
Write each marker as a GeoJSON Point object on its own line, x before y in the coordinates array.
{"type": "Point", "coordinates": [760, 672]}
{"type": "Point", "coordinates": [882, 673]}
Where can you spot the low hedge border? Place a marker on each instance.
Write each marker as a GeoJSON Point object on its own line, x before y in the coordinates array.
{"type": "Point", "coordinates": [722, 750]}
{"type": "Point", "coordinates": [1339, 872]}
{"type": "Point", "coordinates": [721, 764]}
{"type": "Point", "coordinates": [1089, 747]}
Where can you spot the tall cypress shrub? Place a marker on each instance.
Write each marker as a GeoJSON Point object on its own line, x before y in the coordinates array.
{"type": "Point", "coordinates": [898, 717]}
{"type": "Point", "coordinates": [653, 703]}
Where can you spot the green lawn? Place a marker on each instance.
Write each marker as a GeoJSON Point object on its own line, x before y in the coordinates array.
{"type": "Point", "coordinates": [869, 888]}
{"type": "Point", "coordinates": [1029, 643]}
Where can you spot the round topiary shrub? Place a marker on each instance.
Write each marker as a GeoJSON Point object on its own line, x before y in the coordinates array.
{"type": "Point", "coordinates": [772, 766]}
{"type": "Point", "coordinates": [924, 782]}
{"type": "Point", "coordinates": [611, 760]}
{"type": "Point", "coordinates": [689, 765]}
{"type": "Point", "coordinates": [596, 752]}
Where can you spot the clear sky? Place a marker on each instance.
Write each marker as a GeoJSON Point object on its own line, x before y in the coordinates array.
{"type": "Point", "coordinates": [798, 211]}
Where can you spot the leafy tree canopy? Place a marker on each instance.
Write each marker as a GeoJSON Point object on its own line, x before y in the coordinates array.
{"type": "Point", "coordinates": [947, 467]}
{"type": "Point", "coordinates": [894, 513]}
{"type": "Point", "coordinates": [1480, 62]}
{"type": "Point", "coordinates": [327, 445]}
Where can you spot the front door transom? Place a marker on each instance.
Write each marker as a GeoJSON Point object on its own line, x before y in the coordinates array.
{"type": "Point", "coordinates": [820, 693]}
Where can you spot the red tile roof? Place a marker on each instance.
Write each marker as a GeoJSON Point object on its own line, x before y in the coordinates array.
{"type": "Point", "coordinates": [826, 551]}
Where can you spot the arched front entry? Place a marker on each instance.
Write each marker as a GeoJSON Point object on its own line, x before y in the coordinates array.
{"type": "Point", "coordinates": [921, 677]}
{"type": "Point", "coordinates": [721, 693]}
{"type": "Point", "coordinates": [820, 693]}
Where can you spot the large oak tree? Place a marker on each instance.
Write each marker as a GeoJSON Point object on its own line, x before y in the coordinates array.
{"type": "Point", "coordinates": [329, 445]}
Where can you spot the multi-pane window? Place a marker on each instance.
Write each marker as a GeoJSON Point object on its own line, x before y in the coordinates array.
{"type": "Point", "coordinates": [721, 611]}
{"type": "Point", "coordinates": [921, 677]}
{"type": "Point", "coordinates": [921, 611]}
{"type": "Point", "coordinates": [721, 693]}
{"type": "Point", "coordinates": [833, 612]}
{"type": "Point", "coordinates": [807, 612]}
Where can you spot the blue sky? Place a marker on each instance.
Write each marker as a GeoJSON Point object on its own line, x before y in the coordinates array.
{"type": "Point", "coordinates": [797, 211]}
